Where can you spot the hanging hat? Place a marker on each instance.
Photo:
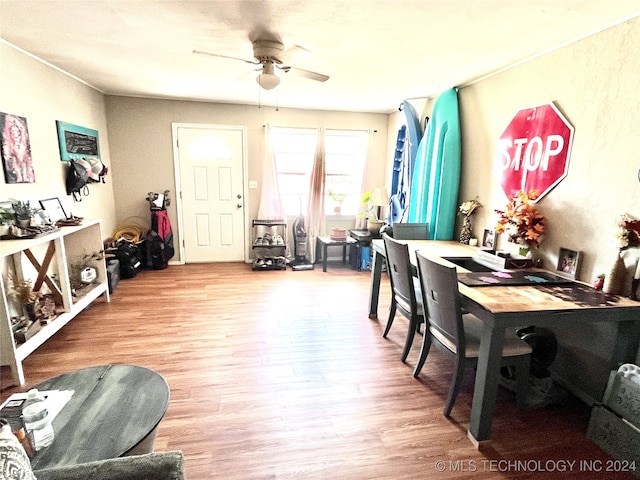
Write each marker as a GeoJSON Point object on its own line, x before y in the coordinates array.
{"type": "Point", "coordinates": [86, 165]}
{"type": "Point", "coordinates": [97, 169]}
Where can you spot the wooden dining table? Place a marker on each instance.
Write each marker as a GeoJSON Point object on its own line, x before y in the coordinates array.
{"type": "Point", "coordinates": [506, 306]}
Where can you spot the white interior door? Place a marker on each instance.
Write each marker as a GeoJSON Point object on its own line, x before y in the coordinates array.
{"type": "Point", "coordinates": [211, 167]}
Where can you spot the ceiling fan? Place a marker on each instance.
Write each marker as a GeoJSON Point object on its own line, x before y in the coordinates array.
{"type": "Point", "coordinates": [270, 54]}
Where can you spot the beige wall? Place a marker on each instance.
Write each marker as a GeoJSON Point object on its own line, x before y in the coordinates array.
{"type": "Point", "coordinates": [142, 152]}
{"type": "Point", "coordinates": [42, 95]}
{"type": "Point", "coordinates": [594, 84]}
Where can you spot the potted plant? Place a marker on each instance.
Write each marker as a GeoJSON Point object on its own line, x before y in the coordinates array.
{"type": "Point", "coordinates": [76, 269]}
{"type": "Point", "coordinates": [373, 222]}
{"type": "Point", "coordinates": [7, 218]}
{"type": "Point", "coordinates": [24, 212]}
{"type": "Point", "coordinates": [338, 199]}
{"type": "Point", "coordinates": [22, 290]}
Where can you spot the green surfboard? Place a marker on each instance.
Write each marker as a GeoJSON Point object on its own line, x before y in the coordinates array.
{"type": "Point", "coordinates": [436, 175]}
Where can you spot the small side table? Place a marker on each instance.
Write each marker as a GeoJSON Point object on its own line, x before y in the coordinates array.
{"type": "Point", "coordinates": [363, 239]}
{"type": "Point", "coordinates": [322, 243]}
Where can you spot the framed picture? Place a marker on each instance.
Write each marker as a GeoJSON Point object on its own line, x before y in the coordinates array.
{"type": "Point", "coordinates": [489, 239]}
{"type": "Point", "coordinates": [77, 142]}
{"type": "Point", "coordinates": [568, 262]}
{"type": "Point", "coordinates": [54, 209]}
{"type": "Point", "coordinates": [15, 148]}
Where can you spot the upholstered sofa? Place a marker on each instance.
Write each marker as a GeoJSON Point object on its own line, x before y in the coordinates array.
{"type": "Point", "coordinates": [15, 465]}
{"type": "Point", "coordinates": [150, 466]}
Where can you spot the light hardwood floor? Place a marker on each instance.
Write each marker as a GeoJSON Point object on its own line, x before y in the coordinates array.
{"type": "Point", "coordinates": [282, 375]}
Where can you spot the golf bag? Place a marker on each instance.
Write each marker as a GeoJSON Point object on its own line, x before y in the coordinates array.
{"type": "Point", "coordinates": [160, 237]}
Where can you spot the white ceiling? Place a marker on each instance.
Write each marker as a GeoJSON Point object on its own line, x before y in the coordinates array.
{"type": "Point", "coordinates": [377, 52]}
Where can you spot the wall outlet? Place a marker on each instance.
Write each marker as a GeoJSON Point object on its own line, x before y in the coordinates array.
{"type": "Point", "coordinates": [253, 184]}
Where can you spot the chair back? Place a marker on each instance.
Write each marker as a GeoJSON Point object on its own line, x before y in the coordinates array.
{"type": "Point", "coordinates": [400, 273]}
{"type": "Point", "coordinates": [411, 231]}
{"type": "Point", "coordinates": [441, 297]}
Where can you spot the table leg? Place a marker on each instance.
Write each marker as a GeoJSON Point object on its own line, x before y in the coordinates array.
{"type": "Point", "coordinates": [324, 257]}
{"type": "Point", "coordinates": [374, 292]}
{"type": "Point", "coordinates": [627, 342]}
{"type": "Point", "coordinates": [486, 386]}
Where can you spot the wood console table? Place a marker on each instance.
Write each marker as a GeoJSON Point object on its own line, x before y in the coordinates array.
{"type": "Point", "coordinates": [57, 250]}
{"type": "Point", "coordinates": [502, 307]}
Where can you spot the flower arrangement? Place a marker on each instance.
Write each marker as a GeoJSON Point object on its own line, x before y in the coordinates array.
{"type": "Point", "coordinates": [23, 291]}
{"type": "Point", "coordinates": [469, 207]}
{"type": "Point", "coordinates": [628, 232]}
{"type": "Point", "coordinates": [521, 221]}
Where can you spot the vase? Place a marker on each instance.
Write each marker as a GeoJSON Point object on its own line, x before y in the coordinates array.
{"type": "Point", "coordinates": [465, 233]}
{"type": "Point", "coordinates": [616, 279]}
{"type": "Point", "coordinates": [32, 314]}
{"type": "Point", "coordinates": [374, 226]}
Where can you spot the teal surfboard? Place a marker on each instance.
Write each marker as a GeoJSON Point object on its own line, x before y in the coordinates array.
{"type": "Point", "coordinates": [436, 175]}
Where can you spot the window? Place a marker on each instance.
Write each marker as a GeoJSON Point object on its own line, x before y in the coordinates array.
{"type": "Point", "coordinates": [293, 149]}
{"type": "Point", "coordinates": [345, 154]}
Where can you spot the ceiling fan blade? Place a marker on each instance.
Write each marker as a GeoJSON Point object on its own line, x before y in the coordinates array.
{"type": "Point", "coordinates": [202, 52]}
{"type": "Point", "coordinates": [301, 72]}
{"type": "Point", "coordinates": [295, 54]}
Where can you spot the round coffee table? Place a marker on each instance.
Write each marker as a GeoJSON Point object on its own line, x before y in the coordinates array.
{"type": "Point", "coordinates": [114, 411]}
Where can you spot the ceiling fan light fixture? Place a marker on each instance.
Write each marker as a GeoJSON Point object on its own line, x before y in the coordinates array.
{"type": "Point", "coordinates": [268, 81]}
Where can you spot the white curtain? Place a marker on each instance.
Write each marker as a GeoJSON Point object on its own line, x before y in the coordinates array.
{"type": "Point", "coordinates": [270, 207]}
{"type": "Point", "coordinates": [316, 220]}
{"type": "Point", "coordinates": [361, 221]}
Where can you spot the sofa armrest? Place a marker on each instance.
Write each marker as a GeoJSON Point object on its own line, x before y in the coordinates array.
{"type": "Point", "coordinates": [151, 466]}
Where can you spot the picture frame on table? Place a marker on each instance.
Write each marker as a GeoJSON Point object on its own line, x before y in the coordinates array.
{"type": "Point", "coordinates": [568, 263]}
{"type": "Point", "coordinates": [54, 209]}
{"type": "Point", "coordinates": [489, 239]}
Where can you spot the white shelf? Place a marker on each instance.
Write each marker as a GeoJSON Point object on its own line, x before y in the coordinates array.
{"type": "Point", "coordinates": [70, 244]}
{"type": "Point", "coordinates": [23, 350]}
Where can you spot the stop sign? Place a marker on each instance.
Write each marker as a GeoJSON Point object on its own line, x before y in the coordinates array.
{"type": "Point", "coordinates": [533, 151]}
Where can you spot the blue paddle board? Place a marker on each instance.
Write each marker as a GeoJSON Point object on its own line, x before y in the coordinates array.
{"type": "Point", "coordinates": [436, 176]}
{"type": "Point", "coordinates": [407, 141]}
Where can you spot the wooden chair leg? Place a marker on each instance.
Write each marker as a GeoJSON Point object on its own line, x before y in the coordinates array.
{"type": "Point", "coordinates": [522, 381]}
{"type": "Point", "coordinates": [411, 333]}
{"type": "Point", "coordinates": [392, 315]}
{"type": "Point", "coordinates": [455, 385]}
{"type": "Point", "coordinates": [424, 351]}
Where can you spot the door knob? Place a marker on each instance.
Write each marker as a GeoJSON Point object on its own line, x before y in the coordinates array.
{"type": "Point", "coordinates": [239, 205]}
{"type": "Point", "coordinates": [239, 196]}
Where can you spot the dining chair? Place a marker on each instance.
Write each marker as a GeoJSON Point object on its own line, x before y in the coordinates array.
{"type": "Point", "coordinates": [411, 231]}
{"type": "Point", "coordinates": [458, 334]}
{"type": "Point", "coordinates": [405, 288]}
